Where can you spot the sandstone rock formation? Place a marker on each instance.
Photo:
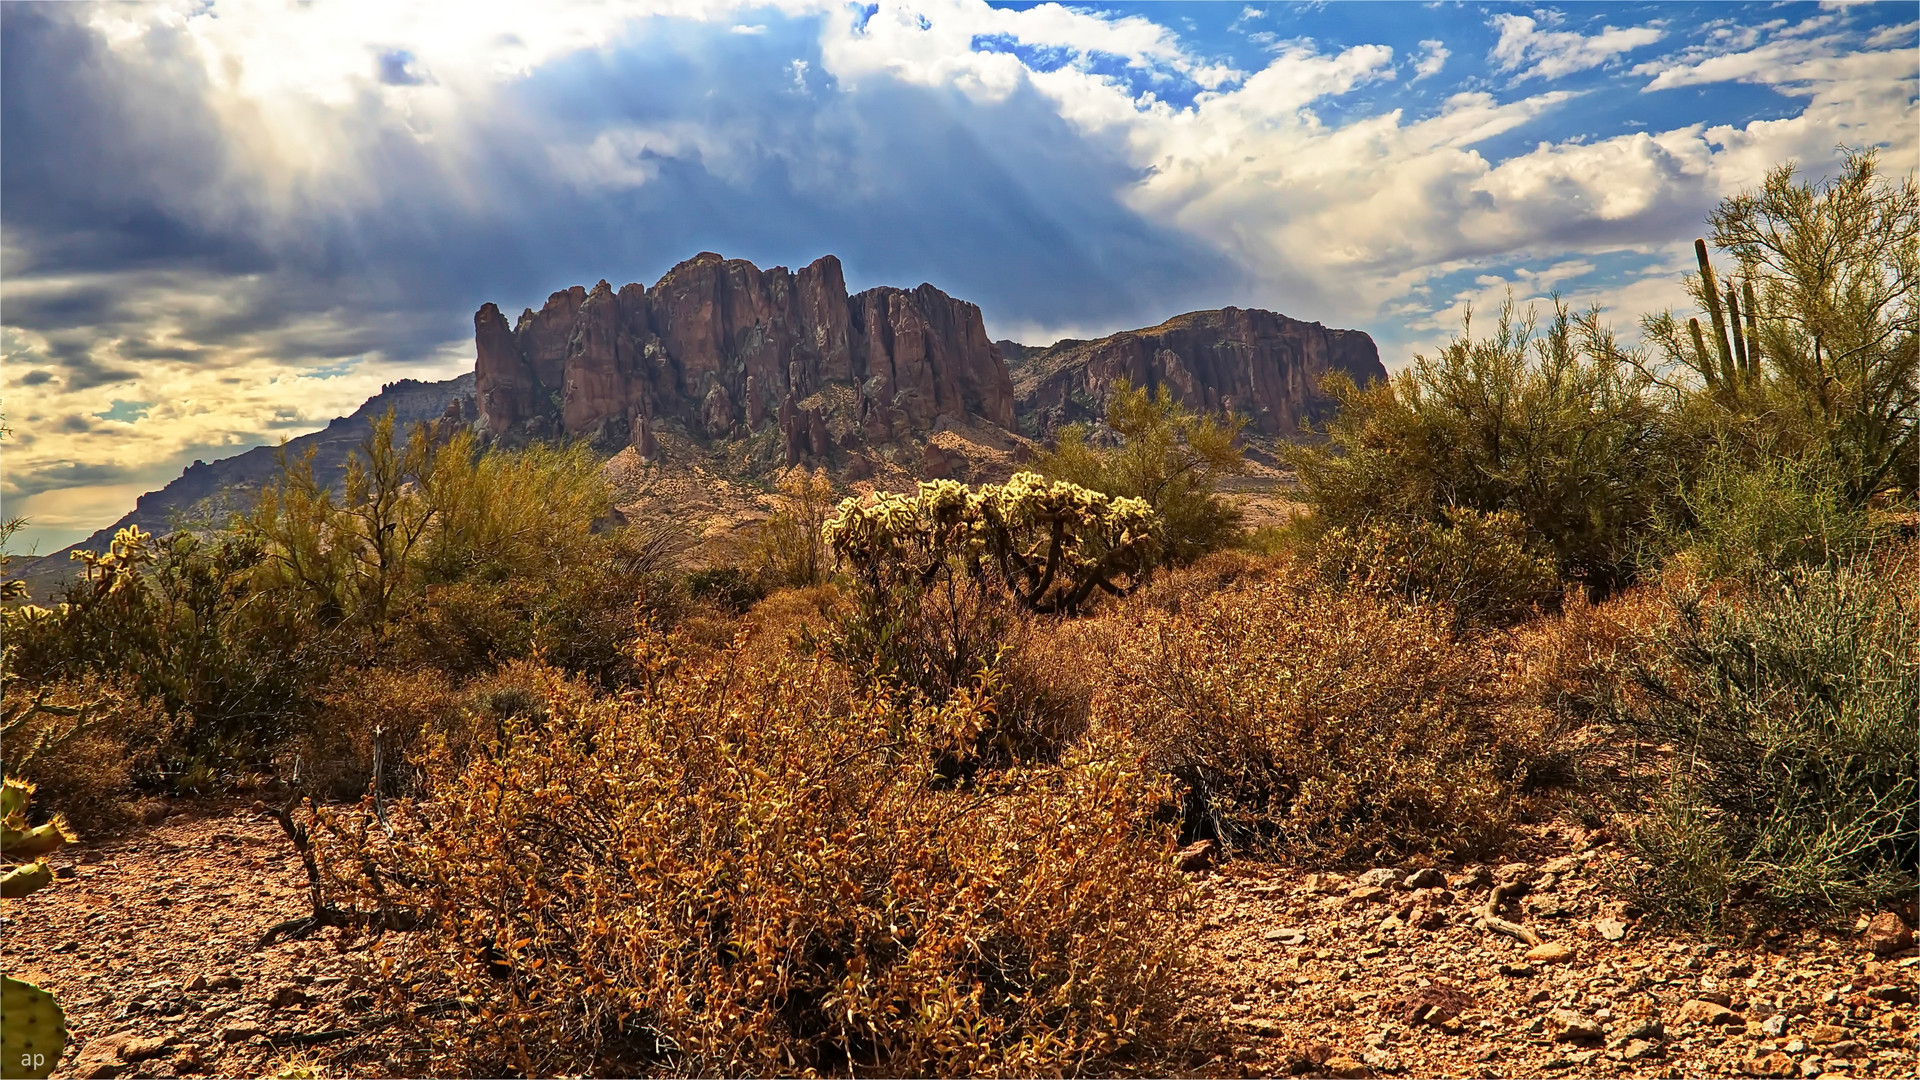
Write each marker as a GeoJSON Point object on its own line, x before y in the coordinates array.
{"type": "Point", "coordinates": [1261, 365]}
{"type": "Point", "coordinates": [723, 350]}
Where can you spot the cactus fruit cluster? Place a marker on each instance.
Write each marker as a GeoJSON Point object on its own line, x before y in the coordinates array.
{"type": "Point", "coordinates": [33, 1029]}
{"type": "Point", "coordinates": [1051, 542]}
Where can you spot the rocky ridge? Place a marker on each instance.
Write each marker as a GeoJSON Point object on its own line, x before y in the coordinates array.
{"type": "Point", "coordinates": [1259, 364]}
{"type": "Point", "coordinates": [720, 349]}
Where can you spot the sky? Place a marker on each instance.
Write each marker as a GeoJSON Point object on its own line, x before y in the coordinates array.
{"type": "Point", "coordinates": [224, 223]}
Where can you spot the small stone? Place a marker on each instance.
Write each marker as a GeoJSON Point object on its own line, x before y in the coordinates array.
{"type": "Point", "coordinates": [1196, 857]}
{"type": "Point", "coordinates": [1611, 929]}
{"type": "Point", "coordinates": [288, 996]}
{"type": "Point", "coordinates": [1701, 1011]}
{"type": "Point", "coordinates": [1797, 1046]}
{"type": "Point", "coordinates": [1346, 1068]}
{"type": "Point", "coordinates": [238, 1033]}
{"type": "Point", "coordinates": [1888, 933]}
{"type": "Point", "coordinates": [1515, 871]}
{"type": "Point", "coordinates": [1427, 878]}
{"type": "Point", "coordinates": [142, 1049]}
{"type": "Point", "coordinates": [1378, 877]}
{"type": "Point", "coordinates": [1380, 1060]}
{"type": "Point", "coordinates": [1286, 936]}
{"type": "Point", "coordinates": [1518, 971]}
{"type": "Point", "coordinates": [1826, 1035]}
{"type": "Point", "coordinates": [1366, 894]}
{"type": "Point", "coordinates": [1775, 1064]}
{"type": "Point", "coordinates": [1568, 1026]}
{"type": "Point", "coordinates": [1550, 952]}
{"type": "Point", "coordinates": [1266, 1029]}
{"type": "Point", "coordinates": [1637, 1049]}
{"type": "Point", "coordinates": [1774, 1026]}
{"type": "Point", "coordinates": [1847, 1049]}
{"type": "Point", "coordinates": [195, 984]}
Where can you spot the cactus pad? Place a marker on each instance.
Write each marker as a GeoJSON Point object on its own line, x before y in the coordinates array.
{"type": "Point", "coordinates": [33, 1029]}
{"type": "Point", "coordinates": [22, 880]}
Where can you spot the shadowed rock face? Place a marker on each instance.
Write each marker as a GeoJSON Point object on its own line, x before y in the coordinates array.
{"type": "Point", "coordinates": [726, 349]}
{"type": "Point", "coordinates": [1261, 365]}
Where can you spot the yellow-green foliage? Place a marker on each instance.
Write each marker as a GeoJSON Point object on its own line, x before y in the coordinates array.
{"type": "Point", "coordinates": [1165, 454]}
{"type": "Point", "coordinates": [791, 547]}
{"type": "Point", "coordinates": [747, 870]}
{"type": "Point", "coordinates": [1050, 542]}
{"type": "Point", "coordinates": [1301, 719]}
{"type": "Point", "coordinates": [415, 512]}
{"type": "Point", "coordinates": [1815, 335]}
{"type": "Point", "coordinates": [1547, 427]}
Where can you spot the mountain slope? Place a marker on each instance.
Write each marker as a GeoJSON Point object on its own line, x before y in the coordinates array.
{"type": "Point", "coordinates": [209, 490]}
{"type": "Point", "coordinates": [1262, 365]}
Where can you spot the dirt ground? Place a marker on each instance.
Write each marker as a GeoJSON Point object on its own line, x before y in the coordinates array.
{"type": "Point", "coordinates": [151, 941]}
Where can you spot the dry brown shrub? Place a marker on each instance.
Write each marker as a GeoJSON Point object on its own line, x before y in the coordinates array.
{"type": "Point", "coordinates": [1302, 720]}
{"type": "Point", "coordinates": [392, 709]}
{"type": "Point", "coordinates": [1195, 583]}
{"type": "Point", "coordinates": [91, 777]}
{"type": "Point", "coordinates": [748, 870]}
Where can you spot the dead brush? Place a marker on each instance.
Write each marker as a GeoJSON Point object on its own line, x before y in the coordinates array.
{"type": "Point", "coordinates": [1302, 720]}
{"type": "Point", "coordinates": [744, 869]}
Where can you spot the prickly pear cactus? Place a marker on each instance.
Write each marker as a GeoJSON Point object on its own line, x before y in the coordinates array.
{"type": "Point", "coordinates": [24, 845]}
{"type": "Point", "coordinates": [33, 1029]}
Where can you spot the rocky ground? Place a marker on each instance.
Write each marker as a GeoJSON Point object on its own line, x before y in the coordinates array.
{"type": "Point", "coordinates": [1394, 972]}
{"type": "Point", "coordinates": [152, 943]}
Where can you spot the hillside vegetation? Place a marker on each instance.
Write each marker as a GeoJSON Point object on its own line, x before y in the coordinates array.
{"type": "Point", "coordinates": [913, 785]}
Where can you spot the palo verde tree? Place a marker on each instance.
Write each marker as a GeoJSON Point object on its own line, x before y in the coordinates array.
{"type": "Point", "coordinates": [1166, 455]}
{"type": "Point", "coordinates": [1813, 342]}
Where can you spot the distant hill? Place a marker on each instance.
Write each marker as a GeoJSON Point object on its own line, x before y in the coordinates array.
{"type": "Point", "coordinates": [208, 491]}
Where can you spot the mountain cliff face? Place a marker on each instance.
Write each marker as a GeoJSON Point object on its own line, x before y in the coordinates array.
{"type": "Point", "coordinates": [723, 349]}
{"type": "Point", "coordinates": [1261, 365]}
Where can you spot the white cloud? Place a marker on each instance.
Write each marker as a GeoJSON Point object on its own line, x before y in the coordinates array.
{"type": "Point", "coordinates": [1524, 47]}
{"type": "Point", "coordinates": [752, 31]}
{"type": "Point", "coordinates": [1432, 59]}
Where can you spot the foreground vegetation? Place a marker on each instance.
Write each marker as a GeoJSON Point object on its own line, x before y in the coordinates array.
{"type": "Point", "coordinates": [901, 791]}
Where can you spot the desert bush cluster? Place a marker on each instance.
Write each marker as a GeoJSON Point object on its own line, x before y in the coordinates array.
{"type": "Point", "coordinates": [898, 788]}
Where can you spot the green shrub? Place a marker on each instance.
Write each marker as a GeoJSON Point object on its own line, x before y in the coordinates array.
{"type": "Point", "coordinates": [1790, 712]}
{"type": "Point", "coordinates": [728, 587]}
{"type": "Point", "coordinates": [1164, 454]}
{"type": "Point", "coordinates": [1548, 427]}
{"type": "Point", "coordinates": [747, 871]}
{"type": "Point", "coordinates": [790, 545]}
{"type": "Point", "coordinates": [1740, 517]}
{"type": "Point", "coordinates": [1485, 568]}
{"type": "Point", "coordinates": [1308, 721]}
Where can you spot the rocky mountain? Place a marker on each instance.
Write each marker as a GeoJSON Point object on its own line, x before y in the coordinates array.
{"type": "Point", "coordinates": [742, 370]}
{"type": "Point", "coordinates": [719, 349]}
{"type": "Point", "coordinates": [1259, 364]}
{"type": "Point", "coordinates": [209, 490]}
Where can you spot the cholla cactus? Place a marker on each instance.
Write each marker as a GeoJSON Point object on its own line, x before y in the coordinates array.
{"type": "Point", "coordinates": [1051, 543]}
{"type": "Point", "coordinates": [33, 1029]}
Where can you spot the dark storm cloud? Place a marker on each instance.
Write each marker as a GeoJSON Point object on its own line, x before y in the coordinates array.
{"type": "Point", "coordinates": [122, 166]}
{"type": "Point", "coordinates": [35, 378]}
